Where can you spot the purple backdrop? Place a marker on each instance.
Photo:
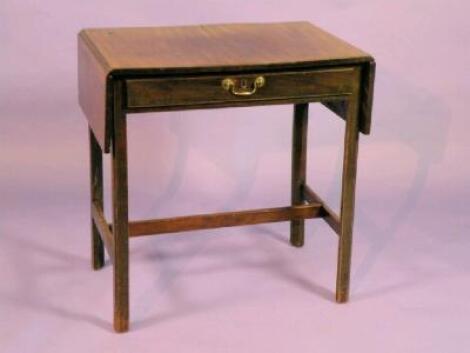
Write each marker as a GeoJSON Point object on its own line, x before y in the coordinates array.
{"type": "Point", "coordinates": [240, 289]}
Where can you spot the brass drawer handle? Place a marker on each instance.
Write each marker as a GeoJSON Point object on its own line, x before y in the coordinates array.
{"type": "Point", "coordinates": [230, 85]}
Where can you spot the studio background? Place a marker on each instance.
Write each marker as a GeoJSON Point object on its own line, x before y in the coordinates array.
{"type": "Point", "coordinates": [240, 289]}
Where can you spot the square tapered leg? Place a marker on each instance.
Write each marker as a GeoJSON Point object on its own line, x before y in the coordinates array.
{"type": "Point", "coordinates": [96, 197]}
{"type": "Point", "coordinates": [120, 215]}
{"type": "Point", "coordinates": [299, 161]}
{"type": "Point", "coordinates": [351, 140]}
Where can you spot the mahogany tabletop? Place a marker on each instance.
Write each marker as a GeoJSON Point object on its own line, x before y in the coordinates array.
{"type": "Point", "coordinates": [216, 46]}
{"type": "Point", "coordinates": [107, 54]}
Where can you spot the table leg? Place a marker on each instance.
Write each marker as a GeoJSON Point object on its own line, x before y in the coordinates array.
{"type": "Point", "coordinates": [299, 160]}
{"type": "Point", "coordinates": [120, 215]}
{"type": "Point", "coordinates": [96, 197]}
{"type": "Point", "coordinates": [351, 140]}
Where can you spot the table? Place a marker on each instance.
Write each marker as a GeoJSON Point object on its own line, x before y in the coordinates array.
{"type": "Point", "coordinates": [134, 70]}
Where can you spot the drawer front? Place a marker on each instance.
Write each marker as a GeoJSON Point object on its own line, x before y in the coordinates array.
{"type": "Point", "coordinates": [237, 89]}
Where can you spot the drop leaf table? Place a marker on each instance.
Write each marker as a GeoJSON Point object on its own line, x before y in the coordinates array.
{"type": "Point", "coordinates": [154, 69]}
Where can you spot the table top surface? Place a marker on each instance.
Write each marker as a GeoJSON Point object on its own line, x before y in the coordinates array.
{"type": "Point", "coordinates": [219, 47]}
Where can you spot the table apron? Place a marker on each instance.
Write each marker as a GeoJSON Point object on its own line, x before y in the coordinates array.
{"type": "Point", "coordinates": [201, 92]}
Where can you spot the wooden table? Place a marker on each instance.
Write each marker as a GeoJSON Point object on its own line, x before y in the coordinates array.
{"type": "Point", "coordinates": [133, 70]}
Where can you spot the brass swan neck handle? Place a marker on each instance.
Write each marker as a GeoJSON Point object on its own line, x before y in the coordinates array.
{"type": "Point", "coordinates": [243, 89]}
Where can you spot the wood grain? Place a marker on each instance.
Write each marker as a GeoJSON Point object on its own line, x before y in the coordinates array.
{"type": "Point", "coordinates": [348, 191]}
{"type": "Point", "coordinates": [132, 70]}
{"type": "Point", "coordinates": [94, 92]}
{"type": "Point", "coordinates": [96, 198]}
{"type": "Point", "coordinates": [120, 214]}
{"type": "Point", "coordinates": [162, 92]}
{"type": "Point", "coordinates": [224, 219]}
{"type": "Point", "coordinates": [212, 47]}
{"type": "Point", "coordinates": [108, 54]}
{"type": "Point", "coordinates": [103, 229]}
{"type": "Point", "coordinates": [298, 169]}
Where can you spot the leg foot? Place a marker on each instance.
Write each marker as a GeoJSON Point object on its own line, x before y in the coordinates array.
{"type": "Point", "coordinates": [342, 296]}
{"type": "Point", "coordinates": [121, 324]}
{"type": "Point", "coordinates": [297, 229]}
{"type": "Point", "coordinates": [97, 257]}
